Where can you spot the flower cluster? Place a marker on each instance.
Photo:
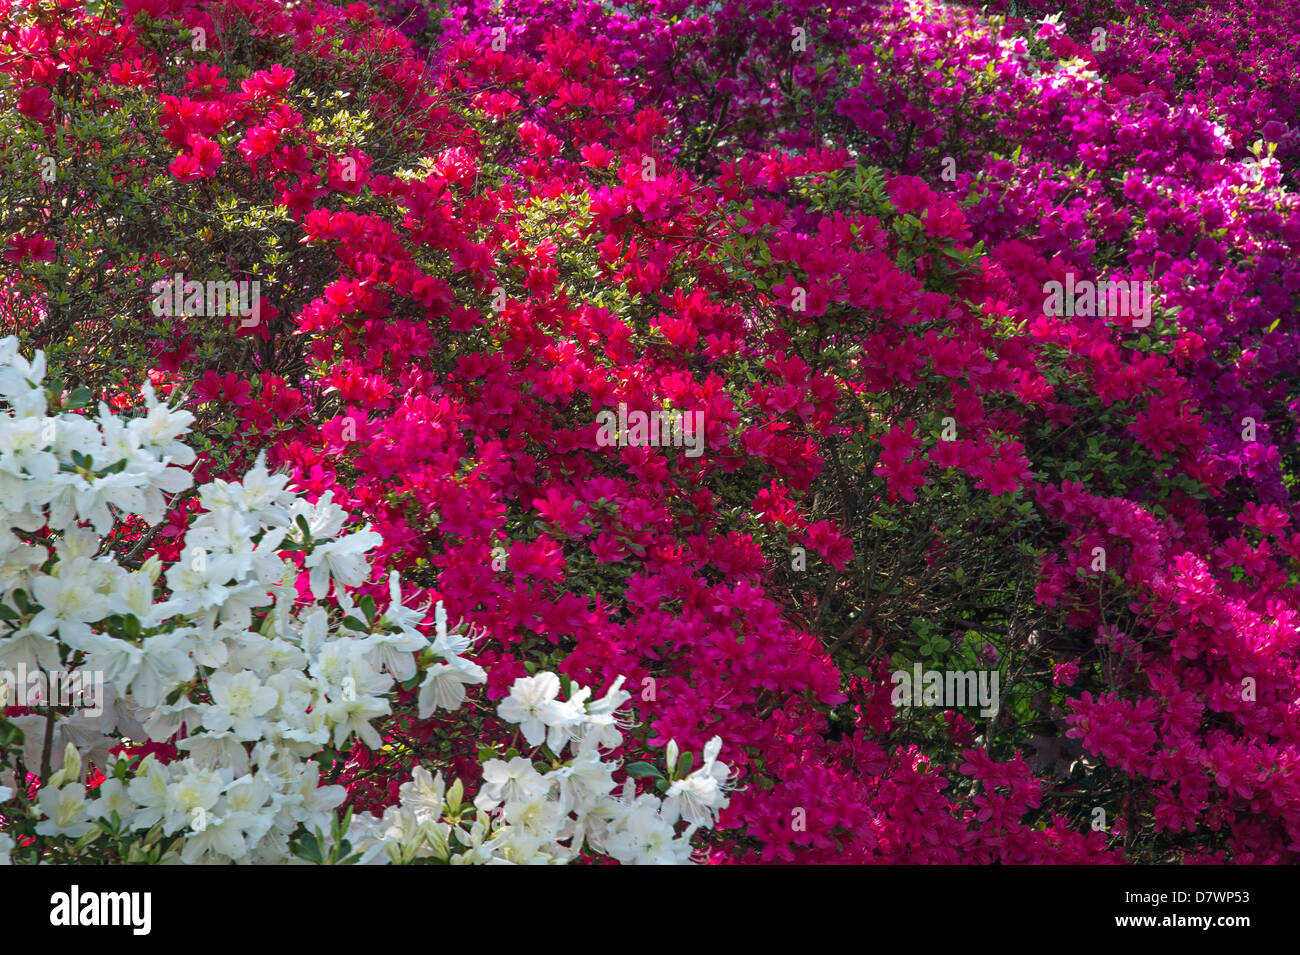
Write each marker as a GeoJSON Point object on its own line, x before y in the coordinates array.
{"type": "Point", "coordinates": [525, 816]}
{"type": "Point", "coordinates": [246, 672]}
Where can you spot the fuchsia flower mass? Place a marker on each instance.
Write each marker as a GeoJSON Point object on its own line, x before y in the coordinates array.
{"type": "Point", "coordinates": [830, 233]}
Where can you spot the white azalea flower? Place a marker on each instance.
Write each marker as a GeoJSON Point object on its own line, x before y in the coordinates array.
{"type": "Point", "coordinates": [27, 647]}
{"type": "Point", "coordinates": [238, 700]}
{"type": "Point", "coordinates": [565, 719]}
{"type": "Point", "coordinates": [163, 665]}
{"type": "Point", "coordinates": [227, 531]}
{"type": "Point", "coordinates": [111, 797]}
{"type": "Point", "coordinates": [68, 607]}
{"type": "Point", "coordinates": [192, 789]}
{"type": "Point", "coordinates": [160, 428]}
{"type": "Point", "coordinates": [20, 380]}
{"type": "Point", "coordinates": [324, 518]}
{"type": "Point", "coordinates": [697, 797]}
{"type": "Point", "coordinates": [343, 560]}
{"type": "Point", "coordinates": [23, 450]}
{"type": "Point", "coordinates": [444, 685]}
{"type": "Point", "coordinates": [64, 811]}
{"type": "Point", "coordinates": [584, 780]}
{"type": "Point", "coordinates": [148, 790]}
{"type": "Point", "coordinates": [354, 716]}
{"type": "Point", "coordinates": [18, 560]}
{"type": "Point", "coordinates": [537, 815]}
{"type": "Point", "coordinates": [133, 594]}
{"type": "Point", "coordinates": [394, 652]}
{"type": "Point", "coordinates": [397, 615]}
{"type": "Point", "coordinates": [528, 705]}
{"type": "Point", "coordinates": [505, 781]}
{"type": "Point", "coordinates": [643, 836]}
{"type": "Point", "coordinates": [424, 793]}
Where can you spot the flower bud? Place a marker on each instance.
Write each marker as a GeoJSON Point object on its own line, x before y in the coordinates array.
{"type": "Point", "coordinates": [71, 771]}
{"type": "Point", "coordinates": [153, 567]}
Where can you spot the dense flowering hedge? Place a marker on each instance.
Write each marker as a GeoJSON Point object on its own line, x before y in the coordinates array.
{"type": "Point", "coordinates": [827, 237]}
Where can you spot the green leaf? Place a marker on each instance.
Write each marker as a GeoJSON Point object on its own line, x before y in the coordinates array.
{"type": "Point", "coordinates": [10, 735]}
{"type": "Point", "coordinates": [642, 770]}
{"type": "Point", "coordinates": [308, 848]}
{"type": "Point", "coordinates": [685, 762]}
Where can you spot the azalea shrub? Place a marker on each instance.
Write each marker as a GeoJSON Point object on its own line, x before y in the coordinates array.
{"type": "Point", "coordinates": [209, 716]}
{"type": "Point", "coordinates": [733, 367]}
